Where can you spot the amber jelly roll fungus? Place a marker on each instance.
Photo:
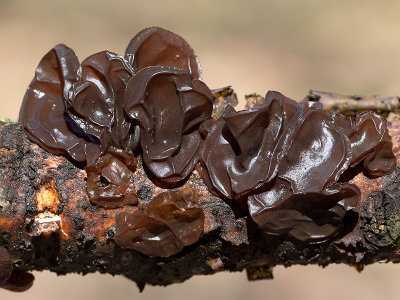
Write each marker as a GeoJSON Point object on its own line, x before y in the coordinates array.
{"type": "Point", "coordinates": [169, 106]}
{"type": "Point", "coordinates": [156, 46]}
{"type": "Point", "coordinates": [12, 280]}
{"type": "Point", "coordinates": [104, 112]}
{"type": "Point", "coordinates": [43, 112]}
{"type": "Point", "coordinates": [110, 180]}
{"type": "Point", "coordinates": [287, 158]}
{"type": "Point", "coordinates": [164, 226]}
{"type": "Point", "coordinates": [95, 102]}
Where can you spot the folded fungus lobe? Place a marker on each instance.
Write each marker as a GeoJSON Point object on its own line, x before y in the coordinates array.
{"type": "Point", "coordinates": [43, 112]}
{"type": "Point", "coordinates": [110, 183]}
{"type": "Point", "coordinates": [284, 159]}
{"type": "Point", "coordinates": [5, 266]}
{"type": "Point", "coordinates": [168, 222]}
{"type": "Point", "coordinates": [13, 280]}
{"type": "Point", "coordinates": [169, 106]}
{"type": "Point", "coordinates": [156, 46]}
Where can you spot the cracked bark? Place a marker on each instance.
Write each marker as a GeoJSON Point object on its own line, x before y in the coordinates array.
{"type": "Point", "coordinates": [47, 221]}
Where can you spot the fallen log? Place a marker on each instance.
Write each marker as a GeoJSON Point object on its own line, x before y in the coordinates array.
{"type": "Point", "coordinates": [48, 223]}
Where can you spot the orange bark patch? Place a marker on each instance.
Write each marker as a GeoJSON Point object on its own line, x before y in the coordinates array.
{"type": "Point", "coordinates": [47, 198]}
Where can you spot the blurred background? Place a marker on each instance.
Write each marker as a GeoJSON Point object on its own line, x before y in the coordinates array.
{"type": "Point", "coordinates": [345, 46]}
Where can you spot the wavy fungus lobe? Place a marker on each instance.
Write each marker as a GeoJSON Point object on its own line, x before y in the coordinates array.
{"type": "Point", "coordinates": [110, 180]}
{"type": "Point", "coordinates": [156, 46]}
{"type": "Point", "coordinates": [43, 112]}
{"type": "Point", "coordinates": [287, 159]}
{"type": "Point", "coordinates": [170, 221]}
{"type": "Point", "coordinates": [169, 106]}
{"type": "Point", "coordinates": [95, 102]}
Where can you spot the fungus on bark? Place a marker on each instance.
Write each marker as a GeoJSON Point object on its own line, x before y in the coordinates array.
{"type": "Point", "coordinates": [169, 106]}
{"type": "Point", "coordinates": [169, 222]}
{"type": "Point", "coordinates": [285, 159]}
{"type": "Point", "coordinates": [43, 111]}
{"type": "Point", "coordinates": [156, 46]}
{"type": "Point", "coordinates": [12, 280]}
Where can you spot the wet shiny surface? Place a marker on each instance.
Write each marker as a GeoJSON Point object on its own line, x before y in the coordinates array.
{"type": "Point", "coordinates": [43, 113]}
{"type": "Point", "coordinates": [156, 46]}
{"type": "Point", "coordinates": [284, 158]}
{"type": "Point", "coordinates": [287, 158]}
{"type": "Point", "coordinates": [292, 56]}
{"type": "Point", "coordinates": [169, 106]}
{"type": "Point", "coordinates": [5, 265]}
{"type": "Point", "coordinates": [164, 226]}
{"type": "Point", "coordinates": [110, 183]}
{"type": "Point", "coordinates": [94, 103]}
{"type": "Point", "coordinates": [371, 143]}
{"type": "Point", "coordinates": [78, 109]}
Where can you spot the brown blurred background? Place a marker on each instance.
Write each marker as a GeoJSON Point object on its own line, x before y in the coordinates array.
{"type": "Point", "coordinates": [290, 46]}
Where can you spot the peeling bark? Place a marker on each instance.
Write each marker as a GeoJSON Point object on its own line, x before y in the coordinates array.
{"type": "Point", "coordinates": [47, 222]}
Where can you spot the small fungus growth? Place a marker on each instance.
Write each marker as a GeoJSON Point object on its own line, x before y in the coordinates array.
{"type": "Point", "coordinates": [13, 280]}
{"type": "Point", "coordinates": [170, 221]}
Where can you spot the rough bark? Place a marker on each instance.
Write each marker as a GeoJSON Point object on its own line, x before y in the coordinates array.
{"type": "Point", "coordinates": [47, 222]}
{"type": "Point", "coordinates": [353, 103]}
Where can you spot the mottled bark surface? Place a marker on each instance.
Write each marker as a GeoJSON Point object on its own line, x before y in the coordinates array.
{"type": "Point", "coordinates": [47, 222]}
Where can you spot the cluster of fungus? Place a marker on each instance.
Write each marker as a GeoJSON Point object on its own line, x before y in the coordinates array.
{"type": "Point", "coordinates": [13, 280]}
{"type": "Point", "coordinates": [284, 159]}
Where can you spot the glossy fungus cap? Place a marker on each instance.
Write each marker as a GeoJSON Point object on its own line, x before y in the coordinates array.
{"type": "Point", "coordinates": [286, 160]}
{"type": "Point", "coordinates": [43, 112]}
{"type": "Point", "coordinates": [171, 221]}
{"type": "Point", "coordinates": [95, 102]}
{"type": "Point", "coordinates": [169, 106]}
{"type": "Point", "coordinates": [156, 46]}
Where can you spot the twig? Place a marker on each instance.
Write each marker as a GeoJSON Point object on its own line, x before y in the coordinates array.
{"type": "Point", "coordinates": [349, 104]}
{"type": "Point", "coordinates": [354, 103]}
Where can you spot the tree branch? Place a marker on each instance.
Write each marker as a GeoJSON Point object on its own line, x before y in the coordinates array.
{"type": "Point", "coordinates": [47, 221]}
{"type": "Point", "coordinates": [354, 103]}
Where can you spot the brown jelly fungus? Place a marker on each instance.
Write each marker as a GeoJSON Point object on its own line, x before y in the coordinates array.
{"type": "Point", "coordinates": [13, 280]}
{"type": "Point", "coordinates": [285, 159]}
{"type": "Point", "coordinates": [5, 266]}
{"type": "Point", "coordinates": [156, 46]}
{"type": "Point", "coordinates": [43, 113]}
{"type": "Point", "coordinates": [169, 106]}
{"type": "Point", "coordinates": [170, 221]}
{"type": "Point", "coordinates": [89, 111]}
{"type": "Point", "coordinates": [110, 183]}
{"type": "Point", "coordinates": [94, 102]}
{"type": "Point", "coordinates": [19, 281]}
